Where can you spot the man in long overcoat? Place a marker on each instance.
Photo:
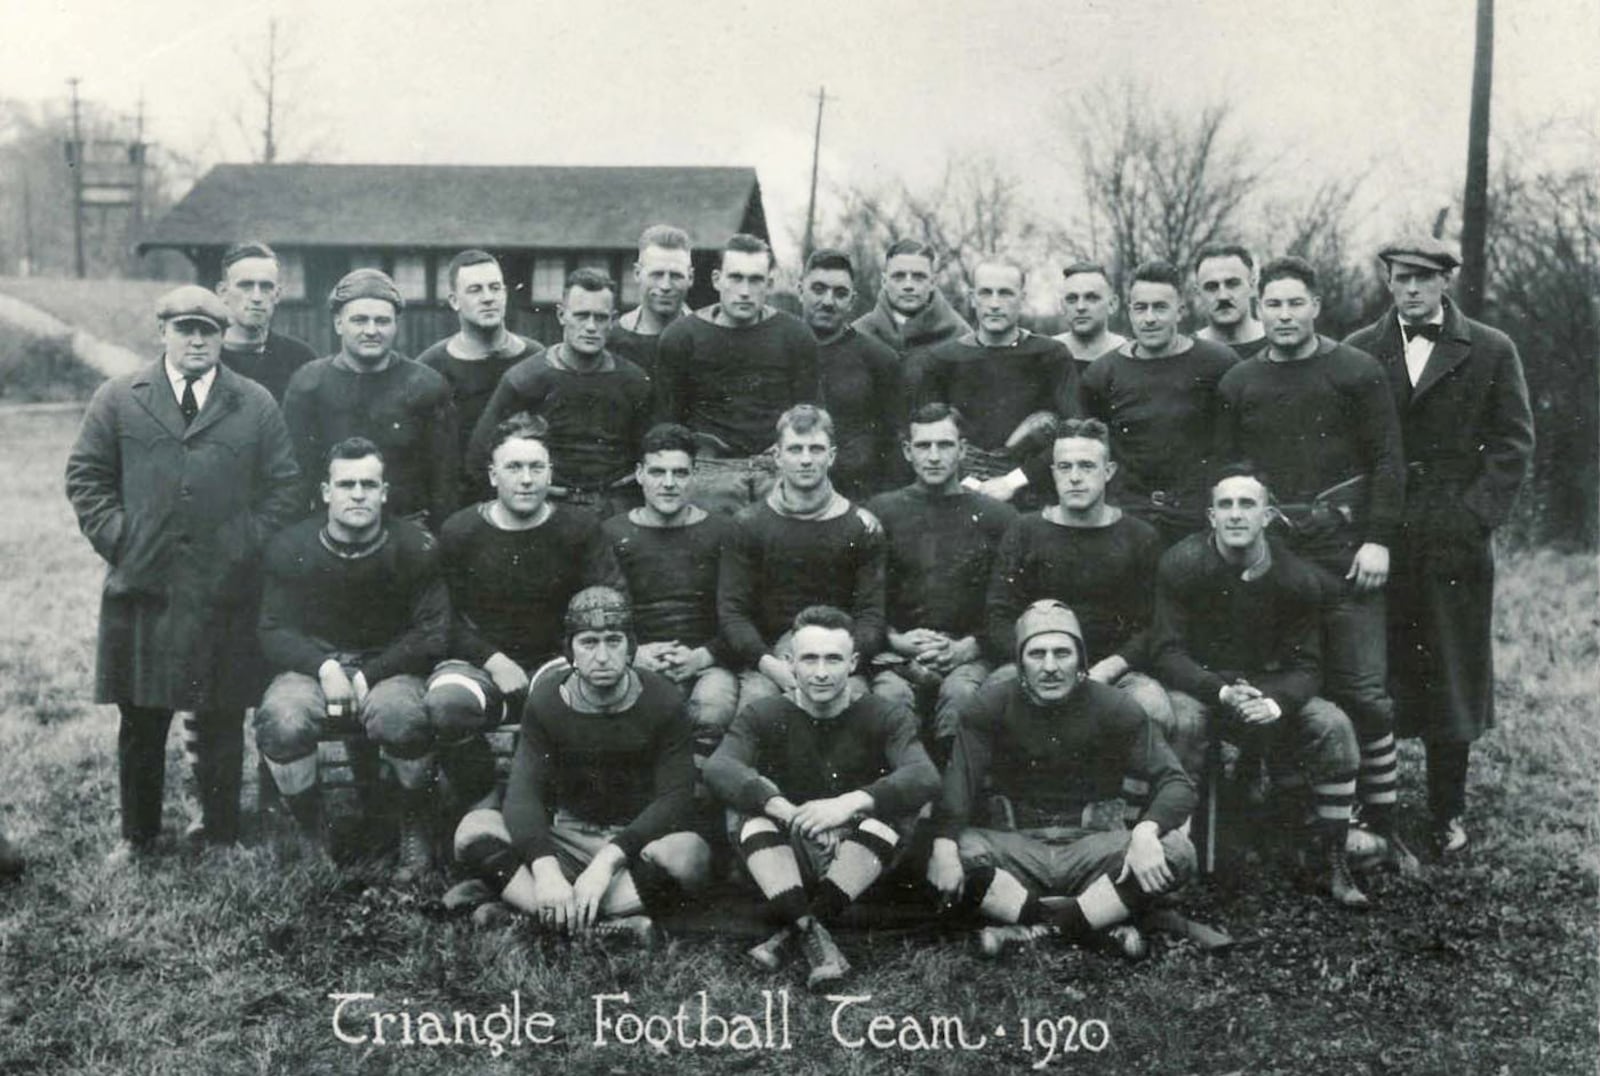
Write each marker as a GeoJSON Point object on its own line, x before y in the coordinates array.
{"type": "Point", "coordinates": [180, 473]}
{"type": "Point", "coordinates": [1467, 433]}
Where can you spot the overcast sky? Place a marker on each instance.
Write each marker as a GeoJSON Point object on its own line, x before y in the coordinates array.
{"type": "Point", "coordinates": [1326, 88]}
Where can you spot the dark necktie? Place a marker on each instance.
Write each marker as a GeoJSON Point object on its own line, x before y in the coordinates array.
{"type": "Point", "coordinates": [1429, 331]}
{"type": "Point", "coordinates": [189, 405]}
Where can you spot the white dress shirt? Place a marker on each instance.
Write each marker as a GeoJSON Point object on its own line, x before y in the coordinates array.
{"type": "Point", "coordinates": [1418, 348]}
{"type": "Point", "coordinates": [202, 384]}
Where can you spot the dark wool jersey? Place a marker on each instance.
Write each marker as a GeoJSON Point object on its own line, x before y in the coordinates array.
{"type": "Point", "coordinates": [1106, 574]}
{"type": "Point", "coordinates": [1251, 348]}
{"type": "Point", "coordinates": [638, 348]}
{"type": "Point", "coordinates": [775, 566]}
{"type": "Point", "coordinates": [1312, 423]}
{"type": "Point", "coordinates": [632, 769]}
{"type": "Point", "coordinates": [472, 382]}
{"type": "Point", "coordinates": [862, 390]}
{"type": "Point", "coordinates": [774, 748]}
{"type": "Point", "coordinates": [997, 387]}
{"type": "Point", "coordinates": [1054, 760]}
{"type": "Point", "coordinates": [672, 576]}
{"type": "Point", "coordinates": [733, 383]}
{"type": "Point", "coordinates": [405, 409]}
{"type": "Point", "coordinates": [939, 549]}
{"type": "Point", "coordinates": [1162, 414]}
{"type": "Point", "coordinates": [510, 589]}
{"type": "Point", "coordinates": [272, 364]}
{"type": "Point", "coordinates": [597, 419]}
{"type": "Point", "coordinates": [384, 602]}
{"type": "Point", "coordinates": [1214, 627]}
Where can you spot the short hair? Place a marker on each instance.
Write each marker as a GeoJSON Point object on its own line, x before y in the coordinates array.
{"type": "Point", "coordinates": [587, 279]}
{"type": "Point", "coordinates": [351, 448]}
{"type": "Point", "coordinates": [1290, 267]}
{"type": "Point", "coordinates": [1090, 429]}
{"type": "Point", "coordinates": [1239, 469]}
{"type": "Point", "coordinates": [665, 236]}
{"type": "Point", "coordinates": [1157, 271]}
{"type": "Point", "coordinates": [745, 243]}
{"type": "Point", "coordinates": [932, 412]}
{"type": "Point", "coordinates": [914, 247]}
{"type": "Point", "coordinates": [1224, 250]}
{"type": "Point", "coordinates": [825, 616]}
{"type": "Point", "coordinates": [1005, 261]}
{"type": "Point", "coordinates": [830, 258]}
{"type": "Point", "coordinates": [521, 426]}
{"type": "Point", "coordinates": [668, 437]}
{"type": "Point", "coordinates": [1074, 268]}
{"type": "Point", "coordinates": [466, 258]}
{"type": "Point", "coordinates": [249, 248]}
{"type": "Point", "coordinates": [805, 417]}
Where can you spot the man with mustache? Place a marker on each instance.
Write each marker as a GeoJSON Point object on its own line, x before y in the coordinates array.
{"type": "Point", "coordinates": [727, 372]}
{"type": "Point", "coordinates": [1238, 639]}
{"type": "Point", "coordinates": [1059, 749]}
{"type": "Point", "coordinates": [826, 788]}
{"type": "Point", "coordinates": [354, 614]}
{"type": "Point", "coordinates": [1089, 299]}
{"type": "Point", "coordinates": [477, 356]}
{"type": "Point", "coordinates": [804, 544]}
{"type": "Point", "coordinates": [1225, 285]}
{"type": "Point", "coordinates": [665, 273]}
{"type": "Point", "coordinates": [250, 286]}
{"type": "Point", "coordinates": [1467, 435]}
{"type": "Point", "coordinates": [368, 389]}
{"type": "Point", "coordinates": [1317, 415]}
{"type": "Point", "coordinates": [861, 383]}
{"type": "Point", "coordinates": [1158, 395]}
{"type": "Point", "coordinates": [596, 405]}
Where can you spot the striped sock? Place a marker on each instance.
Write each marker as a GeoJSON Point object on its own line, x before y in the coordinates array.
{"type": "Point", "coordinates": [772, 865]}
{"type": "Point", "coordinates": [859, 861]}
{"type": "Point", "coordinates": [1379, 781]}
{"type": "Point", "coordinates": [1334, 801]}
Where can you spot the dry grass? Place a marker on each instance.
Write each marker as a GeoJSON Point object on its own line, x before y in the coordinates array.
{"type": "Point", "coordinates": [221, 963]}
{"type": "Point", "coordinates": [119, 312]}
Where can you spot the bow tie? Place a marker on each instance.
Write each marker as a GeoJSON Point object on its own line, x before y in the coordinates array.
{"type": "Point", "coordinates": [1429, 331]}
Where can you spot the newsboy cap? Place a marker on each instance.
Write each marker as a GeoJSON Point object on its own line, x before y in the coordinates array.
{"type": "Point", "coordinates": [365, 284]}
{"type": "Point", "coordinates": [1422, 251]}
{"type": "Point", "coordinates": [191, 302]}
{"type": "Point", "coordinates": [1047, 615]}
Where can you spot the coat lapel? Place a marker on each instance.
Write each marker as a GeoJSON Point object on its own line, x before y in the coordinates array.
{"type": "Point", "coordinates": [1451, 350]}
{"type": "Point", "coordinates": [154, 393]}
{"type": "Point", "coordinates": [222, 398]}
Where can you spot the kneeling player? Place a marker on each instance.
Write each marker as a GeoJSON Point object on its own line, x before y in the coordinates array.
{"type": "Point", "coordinates": [595, 829]}
{"type": "Point", "coordinates": [1056, 744]}
{"type": "Point", "coordinates": [826, 791]}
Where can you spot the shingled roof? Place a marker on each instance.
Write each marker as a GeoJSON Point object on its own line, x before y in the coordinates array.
{"type": "Point", "coordinates": [503, 207]}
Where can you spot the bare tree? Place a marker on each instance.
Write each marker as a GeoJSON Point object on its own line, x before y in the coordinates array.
{"type": "Point", "coordinates": [271, 119]}
{"type": "Point", "coordinates": [1317, 226]}
{"type": "Point", "coordinates": [1157, 182]}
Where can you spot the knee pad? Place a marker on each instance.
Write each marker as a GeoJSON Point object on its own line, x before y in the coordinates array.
{"type": "Point", "coordinates": [877, 837]}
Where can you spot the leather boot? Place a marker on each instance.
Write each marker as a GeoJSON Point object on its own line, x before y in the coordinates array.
{"type": "Point", "coordinates": [414, 859]}
{"type": "Point", "coordinates": [1341, 885]}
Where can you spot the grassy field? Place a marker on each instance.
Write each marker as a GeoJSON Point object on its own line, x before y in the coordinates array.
{"type": "Point", "coordinates": [223, 962]}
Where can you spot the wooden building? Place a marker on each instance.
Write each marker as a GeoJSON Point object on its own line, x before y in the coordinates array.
{"type": "Point", "coordinates": [409, 220]}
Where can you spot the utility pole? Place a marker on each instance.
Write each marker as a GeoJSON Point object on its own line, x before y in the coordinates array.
{"type": "Point", "coordinates": [1475, 201]}
{"type": "Point", "coordinates": [75, 160]}
{"type": "Point", "coordinates": [811, 203]}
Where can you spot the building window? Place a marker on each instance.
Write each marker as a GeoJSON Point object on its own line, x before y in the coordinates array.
{"type": "Point", "coordinates": [630, 285]}
{"type": "Point", "coordinates": [441, 278]}
{"type": "Point", "coordinates": [411, 277]}
{"type": "Point", "coordinates": [291, 275]}
{"type": "Point", "coordinates": [366, 259]}
{"type": "Point", "coordinates": [547, 277]}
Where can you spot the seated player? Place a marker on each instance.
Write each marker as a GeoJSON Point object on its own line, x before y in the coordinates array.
{"type": "Point", "coordinates": [1057, 746]}
{"type": "Point", "coordinates": [512, 564]}
{"type": "Point", "coordinates": [670, 551]}
{"type": "Point", "coordinates": [804, 544]}
{"type": "Point", "coordinates": [595, 830]}
{"type": "Point", "coordinates": [354, 613]}
{"type": "Point", "coordinates": [940, 541]}
{"type": "Point", "coordinates": [1238, 630]}
{"type": "Point", "coordinates": [826, 791]}
{"type": "Point", "coordinates": [1099, 561]}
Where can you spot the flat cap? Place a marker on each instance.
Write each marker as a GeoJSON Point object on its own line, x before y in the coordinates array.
{"type": "Point", "coordinates": [365, 284]}
{"type": "Point", "coordinates": [193, 303]}
{"type": "Point", "coordinates": [1422, 251]}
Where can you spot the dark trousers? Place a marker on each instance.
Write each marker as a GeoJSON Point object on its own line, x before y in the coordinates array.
{"type": "Point", "coordinates": [142, 767]}
{"type": "Point", "coordinates": [1447, 779]}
